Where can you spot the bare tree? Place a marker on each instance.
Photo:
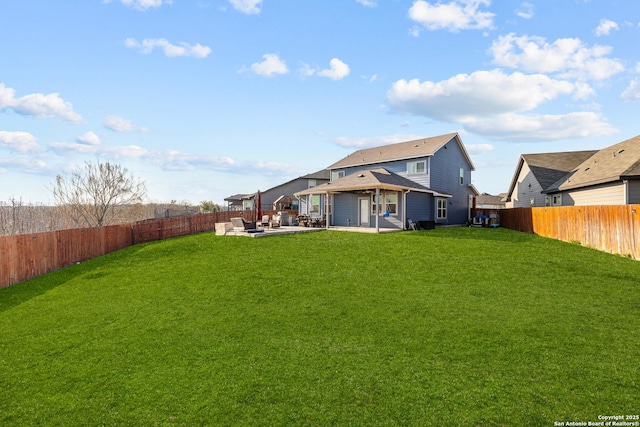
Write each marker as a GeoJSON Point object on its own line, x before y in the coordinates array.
{"type": "Point", "coordinates": [91, 196]}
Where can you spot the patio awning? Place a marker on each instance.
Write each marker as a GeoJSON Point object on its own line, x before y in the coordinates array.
{"type": "Point", "coordinates": [370, 179]}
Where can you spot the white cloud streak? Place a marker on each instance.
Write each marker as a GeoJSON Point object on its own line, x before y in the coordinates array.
{"type": "Point", "coordinates": [492, 103]}
{"type": "Point", "coordinates": [142, 5]}
{"type": "Point", "coordinates": [38, 105]}
{"type": "Point", "coordinates": [22, 142]}
{"type": "Point", "coordinates": [120, 124]}
{"type": "Point", "coordinates": [170, 50]}
{"type": "Point", "coordinates": [569, 57]}
{"type": "Point", "coordinates": [250, 7]}
{"type": "Point", "coordinates": [632, 92]}
{"type": "Point", "coordinates": [525, 11]}
{"type": "Point", "coordinates": [271, 65]}
{"type": "Point", "coordinates": [605, 27]}
{"type": "Point", "coordinates": [454, 16]}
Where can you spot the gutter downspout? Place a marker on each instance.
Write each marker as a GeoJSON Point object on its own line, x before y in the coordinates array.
{"type": "Point", "coordinates": [626, 191]}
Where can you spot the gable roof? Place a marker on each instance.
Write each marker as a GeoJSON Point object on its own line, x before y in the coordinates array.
{"type": "Point", "coordinates": [400, 151]}
{"type": "Point", "coordinates": [613, 163]}
{"type": "Point", "coordinates": [548, 168]}
{"type": "Point", "coordinates": [370, 179]}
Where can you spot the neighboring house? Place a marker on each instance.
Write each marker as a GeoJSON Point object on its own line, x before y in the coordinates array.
{"type": "Point", "coordinates": [240, 202]}
{"type": "Point", "coordinates": [610, 176]}
{"type": "Point", "coordinates": [280, 197]}
{"type": "Point", "coordinates": [384, 187]}
{"type": "Point", "coordinates": [487, 201]}
{"type": "Point", "coordinates": [537, 172]}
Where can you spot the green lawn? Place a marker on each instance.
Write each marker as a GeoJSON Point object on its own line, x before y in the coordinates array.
{"type": "Point", "coordinates": [457, 326]}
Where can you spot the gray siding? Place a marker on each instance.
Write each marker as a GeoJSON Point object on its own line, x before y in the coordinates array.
{"type": "Point", "coordinates": [420, 207]}
{"type": "Point", "coordinates": [445, 177]}
{"type": "Point", "coordinates": [345, 209]}
{"type": "Point", "coordinates": [527, 188]}
{"type": "Point", "coordinates": [399, 168]}
{"type": "Point", "coordinates": [634, 192]}
{"type": "Point", "coordinates": [605, 194]}
{"type": "Point", "coordinates": [288, 189]}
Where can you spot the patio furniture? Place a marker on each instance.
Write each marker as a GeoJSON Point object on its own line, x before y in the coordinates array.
{"type": "Point", "coordinates": [265, 220]}
{"type": "Point", "coordinates": [304, 220]}
{"type": "Point", "coordinates": [275, 222]}
{"type": "Point", "coordinates": [240, 224]}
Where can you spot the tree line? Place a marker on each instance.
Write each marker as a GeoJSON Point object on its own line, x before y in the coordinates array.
{"type": "Point", "coordinates": [97, 195]}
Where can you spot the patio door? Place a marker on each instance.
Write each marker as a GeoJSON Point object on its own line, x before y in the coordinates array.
{"type": "Point", "coordinates": [363, 212]}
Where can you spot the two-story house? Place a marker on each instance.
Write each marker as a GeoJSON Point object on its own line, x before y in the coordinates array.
{"type": "Point", "coordinates": [279, 197]}
{"type": "Point", "coordinates": [610, 176]}
{"type": "Point", "coordinates": [425, 179]}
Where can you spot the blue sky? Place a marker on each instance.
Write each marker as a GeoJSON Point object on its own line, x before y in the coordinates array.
{"type": "Point", "coordinates": [208, 98]}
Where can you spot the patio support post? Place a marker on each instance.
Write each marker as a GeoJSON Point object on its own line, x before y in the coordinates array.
{"type": "Point", "coordinates": [404, 209]}
{"type": "Point", "coordinates": [377, 210]}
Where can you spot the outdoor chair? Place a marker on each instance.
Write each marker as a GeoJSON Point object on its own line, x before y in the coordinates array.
{"type": "Point", "coordinates": [265, 221]}
{"type": "Point", "coordinates": [275, 222]}
{"type": "Point", "coordinates": [240, 224]}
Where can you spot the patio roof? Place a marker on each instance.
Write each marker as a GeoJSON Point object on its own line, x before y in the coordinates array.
{"type": "Point", "coordinates": [370, 179]}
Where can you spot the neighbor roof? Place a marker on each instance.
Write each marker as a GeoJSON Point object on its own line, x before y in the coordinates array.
{"type": "Point", "coordinates": [400, 151]}
{"type": "Point", "coordinates": [548, 168]}
{"type": "Point", "coordinates": [368, 180]}
{"type": "Point", "coordinates": [613, 163]}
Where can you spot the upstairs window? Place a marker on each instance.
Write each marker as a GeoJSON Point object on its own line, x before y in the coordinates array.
{"type": "Point", "coordinates": [337, 175]}
{"type": "Point", "coordinates": [461, 176]}
{"type": "Point", "coordinates": [414, 168]}
{"type": "Point", "coordinates": [312, 183]}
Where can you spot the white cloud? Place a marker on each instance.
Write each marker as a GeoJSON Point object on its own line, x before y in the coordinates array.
{"type": "Point", "coordinates": [142, 4]}
{"type": "Point", "coordinates": [89, 138]}
{"type": "Point", "coordinates": [492, 103]}
{"type": "Point", "coordinates": [367, 3]}
{"type": "Point", "coordinates": [337, 71]}
{"type": "Point", "coordinates": [250, 7]}
{"type": "Point", "coordinates": [479, 148]}
{"type": "Point", "coordinates": [120, 124]}
{"type": "Point", "coordinates": [271, 65]}
{"type": "Point", "coordinates": [38, 105]}
{"type": "Point", "coordinates": [534, 128]}
{"type": "Point", "coordinates": [525, 10]}
{"type": "Point", "coordinates": [22, 142]}
{"type": "Point", "coordinates": [632, 93]}
{"type": "Point", "coordinates": [170, 50]}
{"type": "Point", "coordinates": [482, 93]}
{"type": "Point", "coordinates": [605, 27]}
{"type": "Point", "coordinates": [569, 57]}
{"type": "Point", "coordinates": [454, 16]}
{"type": "Point", "coordinates": [356, 143]}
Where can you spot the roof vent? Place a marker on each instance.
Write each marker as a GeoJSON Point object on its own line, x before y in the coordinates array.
{"type": "Point", "coordinates": [361, 175]}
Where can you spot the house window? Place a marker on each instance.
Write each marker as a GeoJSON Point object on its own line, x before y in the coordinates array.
{"type": "Point", "coordinates": [547, 201]}
{"type": "Point", "coordinates": [442, 209]}
{"type": "Point", "coordinates": [389, 203]}
{"type": "Point", "coordinates": [461, 176]}
{"type": "Point", "coordinates": [556, 200]}
{"type": "Point", "coordinates": [312, 183]}
{"type": "Point", "coordinates": [337, 175]}
{"type": "Point", "coordinates": [414, 168]}
{"type": "Point", "coordinates": [532, 202]}
{"type": "Point", "coordinates": [315, 204]}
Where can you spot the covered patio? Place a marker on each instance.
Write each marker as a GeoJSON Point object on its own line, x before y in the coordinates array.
{"type": "Point", "coordinates": [375, 200]}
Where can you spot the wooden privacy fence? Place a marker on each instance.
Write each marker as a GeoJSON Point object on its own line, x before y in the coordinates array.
{"type": "Point", "coordinates": [25, 256]}
{"type": "Point", "coordinates": [613, 229]}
